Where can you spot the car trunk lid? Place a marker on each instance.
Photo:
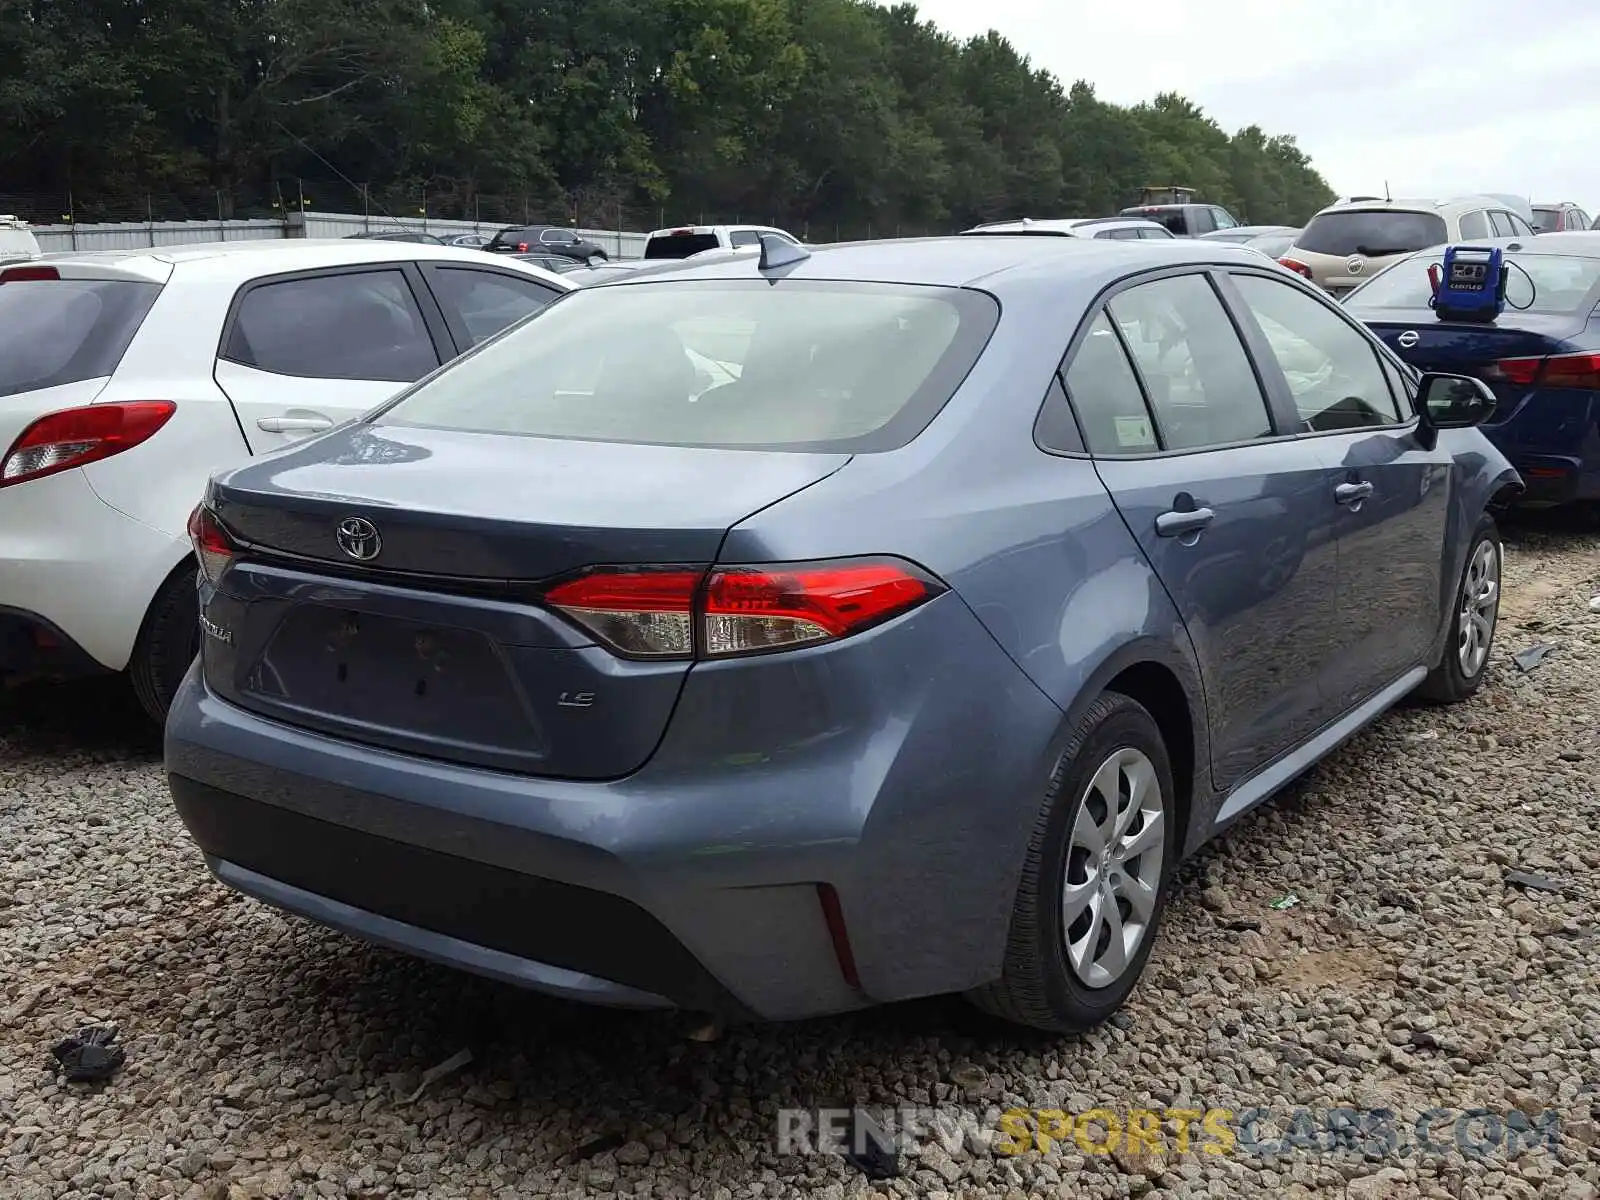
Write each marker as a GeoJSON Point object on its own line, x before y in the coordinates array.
{"type": "Point", "coordinates": [427, 634]}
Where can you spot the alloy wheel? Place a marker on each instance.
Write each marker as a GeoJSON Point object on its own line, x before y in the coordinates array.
{"type": "Point", "coordinates": [1480, 606]}
{"type": "Point", "coordinates": [1113, 869]}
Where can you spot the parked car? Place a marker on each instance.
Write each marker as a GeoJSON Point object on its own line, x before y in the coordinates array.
{"type": "Point", "coordinates": [1344, 244]}
{"type": "Point", "coordinates": [127, 377]}
{"type": "Point", "coordinates": [545, 239]}
{"type": "Point", "coordinates": [17, 243]}
{"type": "Point", "coordinates": [1274, 245]}
{"type": "Point", "coordinates": [688, 240]}
{"type": "Point", "coordinates": [559, 263]}
{"type": "Point", "coordinates": [398, 235]}
{"type": "Point", "coordinates": [1248, 233]}
{"type": "Point", "coordinates": [1541, 357]}
{"type": "Point", "coordinates": [1119, 228]}
{"type": "Point", "coordinates": [1185, 220]}
{"type": "Point", "coordinates": [995, 578]}
{"type": "Point", "coordinates": [1561, 217]}
{"type": "Point", "coordinates": [470, 241]}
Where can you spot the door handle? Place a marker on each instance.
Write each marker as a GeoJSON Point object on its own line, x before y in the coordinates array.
{"type": "Point", "coordinates": [1180, 522]}
{"type": "Point", "coordinates": [294, 424]}
{"type": "Point", "coordinates": [1352, 493]}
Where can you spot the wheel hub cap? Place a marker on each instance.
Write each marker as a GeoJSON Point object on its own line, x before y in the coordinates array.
{"type": "Point", "coordinates": [1480, 607]}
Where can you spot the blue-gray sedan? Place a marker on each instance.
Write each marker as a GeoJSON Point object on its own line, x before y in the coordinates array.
{"type": "Point", "coordinates": [800, 631]}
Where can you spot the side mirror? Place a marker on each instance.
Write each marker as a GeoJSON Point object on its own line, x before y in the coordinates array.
{"type": "Point", "coordinates": [1452, 402]}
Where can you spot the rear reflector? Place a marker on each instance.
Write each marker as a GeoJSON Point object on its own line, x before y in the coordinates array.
{"type": "Point", "coordinates": [676, 612]}
{"type": "Point", "coordinates": [1298, 267]}
{"type": "Point", "coordinates": [28, 274]}
{"type": "Point", "coordinates": [213, 548]}
{"type": "Point", "coordinates": [1580, 371]}
{"type": "Point", "coordinates": [75, 437]}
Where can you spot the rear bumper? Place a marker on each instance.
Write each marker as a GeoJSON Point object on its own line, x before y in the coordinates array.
{"type": "Point", "coordinates": [698, 880]}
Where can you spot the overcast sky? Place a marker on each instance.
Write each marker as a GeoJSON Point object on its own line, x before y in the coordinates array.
{"type": "Point", "coordinates": [1372, 90]}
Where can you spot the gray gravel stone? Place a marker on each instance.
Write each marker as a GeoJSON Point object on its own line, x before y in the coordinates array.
{"type": "Point", "coordinates": [270, 1058]}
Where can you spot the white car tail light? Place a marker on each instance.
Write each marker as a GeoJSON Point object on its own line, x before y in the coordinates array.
{"type": "Point", "coordinates": [75, 437]}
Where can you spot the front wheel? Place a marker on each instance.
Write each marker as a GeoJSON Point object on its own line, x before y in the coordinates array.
{"type": "Point", "coordinates": [1474, 618]}
{"type": "Point", "coordinates": [1095, 879]}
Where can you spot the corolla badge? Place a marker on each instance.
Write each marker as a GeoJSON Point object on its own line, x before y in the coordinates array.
{"type": "Point", "coordinates": [213, 630]}
{"type": "Point", "coordinates": [1409, 339]}
{"type": "Point", "coordinates": [1354, 264]}
{"type": "Point", "coordinates": [358, 537]}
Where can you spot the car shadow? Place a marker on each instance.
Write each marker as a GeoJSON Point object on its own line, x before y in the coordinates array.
{"type": "Point", "coordinates": [98, 717]}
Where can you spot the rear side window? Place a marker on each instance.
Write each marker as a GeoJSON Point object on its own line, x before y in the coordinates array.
{"type": "Point", "coordinates": [1372, 232]}
{"type": "Point", "coordinates": [745, 237]}
{"type": "Point", "coordinates": [1474, 225]}
{"type": "Point", "coordinates": [352, 325]}
{"type": "Point", "coordinates": [58, 331]}
{"type": "Point", "coordinates": [680, 245]}
{"type": "Point", "coordinates": [1202, 387]}
{"type": "Point", "coordinates": [1105, 394]}
{"type": "Point", "coordinates": [1545, 220]}
{"type": "Point", "coordinates": [800, 364]}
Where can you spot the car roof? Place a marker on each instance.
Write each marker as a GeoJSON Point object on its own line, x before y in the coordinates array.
{"type": "Point", "coordinates": [247, 259]}
{"type": "Point", "coordinates": [1061, 224]}
{"type": "Point", "coordinates": [998, 263]}
{"type": "Point", "coordinates": [669, 230]}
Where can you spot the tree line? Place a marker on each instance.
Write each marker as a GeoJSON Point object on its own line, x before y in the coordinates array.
{"type": "Point", "coordinates": [812, 113]}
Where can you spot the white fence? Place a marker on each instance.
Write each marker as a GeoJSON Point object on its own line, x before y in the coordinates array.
{"type": "Point", "coordinates": [128, 235]}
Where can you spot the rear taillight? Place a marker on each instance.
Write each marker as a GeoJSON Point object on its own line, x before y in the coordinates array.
{"type": "Point", "coordinates": [522, 247]}
{"type": "Point", "coordinates": [28, 274]}
{"type": "Point", "coordinates": [1298, 267]}
{"type": "Point", "coordinates": [75, 437]}
{"type": "Point", "coordinates": [674, 612]}
{"type": "Point", "coordinates": [213, 548]}
{"type": "Point", "coordinates": [1579, 371]}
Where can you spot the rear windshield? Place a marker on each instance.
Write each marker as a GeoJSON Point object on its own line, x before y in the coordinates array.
{"type": "Point", "coordinates": [680, 245]}
{"type": "Point", "coordinates": [1174, 220]}
{"type": "Point", "coordinates": [1546, 219]}
{"type": "Point", "coordinates": [796, 365]}
{"type": "Point", "coordinates": [1548, 284]}
{"type": "Point", "coordinates": [1372, 232]}
{"type": "Point", "coordinates": [57, 331]}
{"type": "Point", "coordinates": [515, 237]}
{"type": "Point", "coordinates": [1275, 244]}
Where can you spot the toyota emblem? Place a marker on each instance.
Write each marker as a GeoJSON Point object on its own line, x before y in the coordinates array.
{"type": "Point", "coordinates": [1408, 339]}
{"type": "Point", "coordinates": [1353, 264]}
{"type": "Point", "coordinates": [358, 537]}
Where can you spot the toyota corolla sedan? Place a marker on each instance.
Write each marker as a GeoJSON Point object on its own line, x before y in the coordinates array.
{"type": "Point", "coordinates": [813, 629]}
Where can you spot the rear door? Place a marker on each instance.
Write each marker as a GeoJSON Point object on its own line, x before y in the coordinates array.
{"type": "Point", "coordinates": [478, 302]}
{"type": "Point", "coordinates": [1391, 494]}
{"type": "Point", "coordinates": [1231, 511]}
{"type": "Point", "coordinates": [302, 353]}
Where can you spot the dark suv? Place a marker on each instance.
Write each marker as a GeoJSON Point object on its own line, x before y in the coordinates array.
{"type": "Point", "coordinates": [1185, 220]}
{"type": "Point", "coordinates": [546, 239]}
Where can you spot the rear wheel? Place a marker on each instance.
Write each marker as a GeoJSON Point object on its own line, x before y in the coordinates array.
{"type": "Point", "coordinates": [1095, 879]}
{"type": "Point", "coordinates": [167, 643]}
{"type": "Point", "coordinates": [1474, 619]}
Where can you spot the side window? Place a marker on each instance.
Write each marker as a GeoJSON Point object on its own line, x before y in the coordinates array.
{"type": "Point", "coordinates": [1224, 221]}
{"type": "Point", "coordinates": [1334, 372]}
{"type": "Point", "coordinates": [352, 325]}
{"type": "Point", "coordinates": [558, 237]}
{"type": "Point", "coordinates": [486, 300]}
{"type": "Point", "coordinates": [1163, 234]}
{"type": "Point", "coordinates": [1199, 379]}
{"type": "Point", "coordinates": [1105, 393]}
{"type": "Point", "coordinates": [1200, 221]}
{"type": "Point", "coordinates": [1474, 225]}
{"type": "Point", "coordinates": [1055, 428]}
{"type": "Point", "coordinates": [1519, 226]}
{"type": "Point", "coordinates": [744, 237]}
{"type": "Point", "coordinates": [1121, 235]}
{"type": "Point", "coordinates": [1501, 223]}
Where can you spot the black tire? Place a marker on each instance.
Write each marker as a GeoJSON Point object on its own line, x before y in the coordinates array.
{"type": "Point", "coordinates": [1449, 682]}
{"type": "Point", "coordinates": [168, 642]}
{"type": "Point", "coordinates": [1038, 986]}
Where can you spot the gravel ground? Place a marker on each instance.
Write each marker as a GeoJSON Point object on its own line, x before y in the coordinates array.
{"type": "Point", "coordinates": [269, 1058]}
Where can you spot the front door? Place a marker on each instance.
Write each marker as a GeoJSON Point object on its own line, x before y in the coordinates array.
{"type": "Point", "coordinates": [1390, 495]}
{"type": "Point", "coordinates": [1232, 517]}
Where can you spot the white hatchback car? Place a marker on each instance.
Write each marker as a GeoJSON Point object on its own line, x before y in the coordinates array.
{"type": "Point", "coordinates": [127, 378]}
